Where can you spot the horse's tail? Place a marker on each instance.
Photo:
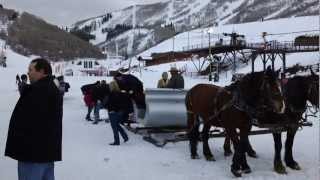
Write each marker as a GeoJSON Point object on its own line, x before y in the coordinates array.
{"type": "Point", "coordinates": [193, 125]}
{"type": "Point", "coordinates": [192, 117]}
{"type": "Point", "coordinates": [188, 102]}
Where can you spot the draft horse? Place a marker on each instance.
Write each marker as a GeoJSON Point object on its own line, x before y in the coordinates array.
{"type": "Point", "coordinates": [231, 110]}
{"type": "Point", "coordinates": [297, 91]}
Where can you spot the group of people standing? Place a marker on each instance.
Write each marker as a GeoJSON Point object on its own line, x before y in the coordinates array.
{"type": "Point", "coordinates": [95, 95]}
{"type": "Point", "coordinates": [175, 82]}
{"type": "Point", "coordinates": [35, 131]}
{"type": "Point", "coordinates": [116, 98]}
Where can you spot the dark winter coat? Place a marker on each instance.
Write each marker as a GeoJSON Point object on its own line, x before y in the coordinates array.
{"type": "Point", "coordinates": [35, 129]}
{"type": "Point", "coordinates": [119, 101]}
{"type": "Point", "coordinates": [176, 82]}
{"type": "Point", "coordinates": [87, 87]}
{"type": "Point", "coordinates": [99, 92]}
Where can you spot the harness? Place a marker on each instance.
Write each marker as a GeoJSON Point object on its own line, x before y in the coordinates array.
{"type": "Point", "coordinates": [218, 110]}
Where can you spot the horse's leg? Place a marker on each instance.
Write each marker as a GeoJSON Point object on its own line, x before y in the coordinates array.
{"type": "Point", "coordinates": [278, 166]}
{"type": "Point", "coordinates": [250, 151]}
{"type": "Point", "coordinates": [244, 143]}
{"type": "Point", "coordinates": [236, 160]}
{"type": "Point", "coordinates": [193, 134]}
{"type": "Point", "coordinates": [227, 146]}
{"type": "Point", "coordinates": [205, 136]}
{"type": "Point", "coordinates": [288, 149]}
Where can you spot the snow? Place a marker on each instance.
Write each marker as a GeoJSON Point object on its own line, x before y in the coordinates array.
{"type": "Point", "coordinates": [228, 10]}
{"type": "Point", "coordinates": [87, 155]}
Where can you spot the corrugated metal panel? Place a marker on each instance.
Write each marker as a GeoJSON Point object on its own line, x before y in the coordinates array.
{"type": "Point", "coordinates": [165, 107]}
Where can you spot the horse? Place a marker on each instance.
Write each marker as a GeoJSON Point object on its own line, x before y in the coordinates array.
{"type": "Point", "coordinates": [231, 109]}
{"type": "Point", "coordinates": [134, 87]}
{"type": "Point", "coordinates": [297, 91]}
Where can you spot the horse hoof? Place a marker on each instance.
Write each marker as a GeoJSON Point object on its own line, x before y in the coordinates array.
{"type": "Point", "coordinates": [253, 154]}
{"type": "Point", "coordinates": [294, 166]}
{"type": "Point", "coordinates": [236, 172]}
{"type": "Point", "coordinates": [195, 157]}
{"type": "Point", "coordinates": [280, 169]}
{"type": "Point", "coordinates": [246, 169]}
{"type": "Point", "coordinates": [210, 158]}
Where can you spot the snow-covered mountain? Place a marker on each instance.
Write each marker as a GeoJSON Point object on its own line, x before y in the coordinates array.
{"type": "Point", "coordinates": [183, 15]}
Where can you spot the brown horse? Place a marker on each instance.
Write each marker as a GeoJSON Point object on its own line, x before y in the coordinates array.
{"type": "Point", "coordinates": [232, 110]}
{"type": "Point", "coordinates": [297, 91]}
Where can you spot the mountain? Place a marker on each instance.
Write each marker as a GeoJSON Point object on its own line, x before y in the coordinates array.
{"type": "Point", "coordinates": [30, 35]}
{"type": "Point", "coordinates": [136, 28]}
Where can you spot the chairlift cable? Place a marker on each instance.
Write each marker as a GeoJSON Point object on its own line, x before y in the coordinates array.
{"type": "Point", "coordinates": [291, 32]}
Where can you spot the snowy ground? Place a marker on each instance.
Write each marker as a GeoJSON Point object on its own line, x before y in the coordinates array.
{"type": "Point", "coordinates": [87, 155]}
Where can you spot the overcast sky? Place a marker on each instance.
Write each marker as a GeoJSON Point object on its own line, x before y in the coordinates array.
{"type": "Point", "coordinates": [67, 12]}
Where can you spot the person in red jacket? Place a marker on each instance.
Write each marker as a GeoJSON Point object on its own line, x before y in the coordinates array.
{"type": "Point", "coordinates": [89, 103]}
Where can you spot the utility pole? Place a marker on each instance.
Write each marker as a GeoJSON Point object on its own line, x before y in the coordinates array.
{"type": "Point", "coordinates": [188, 40]}
{"type": "Point", "coordinates": [173, 47]}
{"type": "Point", "coordinates": [210, 60]}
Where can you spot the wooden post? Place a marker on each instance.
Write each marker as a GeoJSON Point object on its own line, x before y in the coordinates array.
{"type": "Point", "coordinates": [264, 61]}
{"type": "Point", "coordinates": [273, 58]}
{"type": "Point", "coordinates": [253, 57]}
{"type": "Point", "coordinates": [284, 61]}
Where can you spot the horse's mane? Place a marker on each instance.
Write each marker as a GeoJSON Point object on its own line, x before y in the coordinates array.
{"type": "Point", "coordinates": [248, 87]}
{"type": "Point", "coordinates": [296, 91]}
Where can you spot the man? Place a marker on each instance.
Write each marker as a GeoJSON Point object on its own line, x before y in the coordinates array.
{"type": "Point", "coordinates": [176, 81]}
{"type": "Point", "coordinates": [63, 86]}
{"type": "Point", "coordinates": [35, 129]}
{"type": "Point", "coordinates": [100, 96]}
{"type": "Point", "coordinates": [18, 79]}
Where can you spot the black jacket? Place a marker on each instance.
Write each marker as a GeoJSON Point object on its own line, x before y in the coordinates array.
{"type": "Point", "coordinates": [86, 88]}
{"type": "Point", "coordinates": [176, 82]}
{"type": "Point", "coordinates": [35, 129]}
{"type": "Point", "coordinates": [119, 101]}
{"type": "Point", "coordinates": [99, 92]}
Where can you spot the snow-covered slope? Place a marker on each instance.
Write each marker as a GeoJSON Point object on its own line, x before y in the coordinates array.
{"type": "Point", "coordinates": [186, 14]}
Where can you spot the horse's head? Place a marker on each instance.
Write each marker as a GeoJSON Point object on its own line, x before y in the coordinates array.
{"type": "Point", "coordinates": [271, 93]}
{"type": "Point", "coordinates": [313, 89]}
{"type": "Point", "coordinates": [262, 91]}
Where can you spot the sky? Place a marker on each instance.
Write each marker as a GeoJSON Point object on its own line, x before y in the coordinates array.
{"type": "Point", "coordinates": [87, 155]}
{"type": "Point", "coordinates": [65, 13]}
